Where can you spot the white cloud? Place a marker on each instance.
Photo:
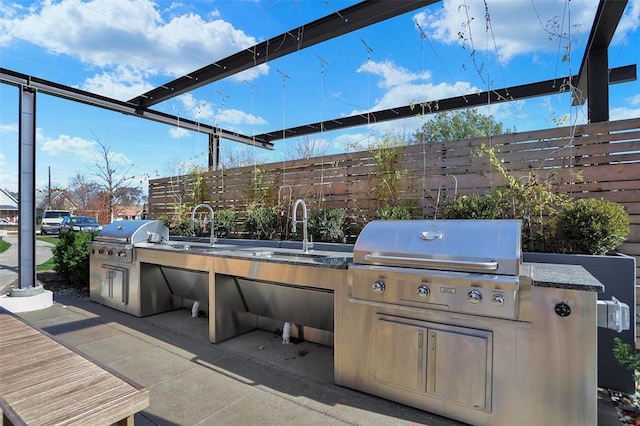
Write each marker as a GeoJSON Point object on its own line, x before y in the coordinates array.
{"type": "Point", "coordinates": [122, 83]}
{"type": "Point", "coordinates": [623, 113]}
{"type": "Point", "coordinates": [405, 88]}
{"type": "Point", "coordinates": [128, 40]}
{"type": "Point", "coordinates": [67, 145]}
{"type": "Point", "coordinates": [9, 128]}
{"type": "Point", "coordinates": [511, 28]}
{"type": "Point", "coordinates": [78, 147]}
{"type": "Point", "coordinates": [179, 133]}
{"type": "Point", "coordinates": [235, 116]}
{"type": "Point", "coordinates": [392, 74]}
{"type": "Point", "coordinates": [630, 22]}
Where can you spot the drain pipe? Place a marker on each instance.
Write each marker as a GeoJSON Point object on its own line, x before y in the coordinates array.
{"type": "Point", "coordinates": [286, 333]}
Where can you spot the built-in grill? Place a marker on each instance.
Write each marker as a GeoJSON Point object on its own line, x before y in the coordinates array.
{"type": "Point", "coordinates": [115, 242]}
{"type": "Point", "coordinates": [466, 266]}
{"type": "Point", "coordinates": [443, 316]}
{"type": "Point", "coordinates": [114, 271]}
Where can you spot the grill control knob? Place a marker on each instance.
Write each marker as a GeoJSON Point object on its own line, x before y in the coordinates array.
{"type": "Point", "coordinates": [474, 296]}
{"type": "Point", "coordinates": [423, 291]}
{"type": "Point", "coordinates": [109, 252]}
{"type": "Point", "coordinates": [378, 287]}
{"type": "Point", "coordinates": [497, 299]}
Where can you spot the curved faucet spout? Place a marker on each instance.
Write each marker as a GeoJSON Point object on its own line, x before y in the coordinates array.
{"type": "Point", "coordinates": [193, 220]}
{"type": "Point", "coordinates": [306, 245]}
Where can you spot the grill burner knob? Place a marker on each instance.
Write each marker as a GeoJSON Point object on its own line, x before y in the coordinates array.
{"type": "Point", "coordinates": [497, 300]}
{"type": "Point", "coordinates": [109, 252]}
{"type": "Point", "coordinates": [423, 291]}
{"type": "Point", "coordinates": [474, 296]}
{"type": "Point", "coordinates": [378, 287]}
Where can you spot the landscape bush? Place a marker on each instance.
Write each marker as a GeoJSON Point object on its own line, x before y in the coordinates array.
{"type": "Point", "coordinates": [327, 225]}
{"type": "Point", "coordinates": [71, 257]}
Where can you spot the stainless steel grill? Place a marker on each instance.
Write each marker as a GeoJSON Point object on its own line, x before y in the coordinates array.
{"type": "Point", "coordinates": [114, 271]}
{"type": "Point", "coordinates": [466, 266]}
{"type": "Point", "coordinates": [115, 242]}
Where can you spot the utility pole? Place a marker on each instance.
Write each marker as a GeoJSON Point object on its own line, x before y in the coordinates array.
{"type": "Point", "coordinates": [49, 191]}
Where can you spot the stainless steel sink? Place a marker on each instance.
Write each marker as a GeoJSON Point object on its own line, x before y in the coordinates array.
{"type": "Point", "coordinates": [327, 259]}
{"type": "Point", "coordinates": [201, 248]}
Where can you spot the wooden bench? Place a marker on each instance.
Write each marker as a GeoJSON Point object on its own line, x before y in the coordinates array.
{"type": "Point", "coordinates": [45, 382]}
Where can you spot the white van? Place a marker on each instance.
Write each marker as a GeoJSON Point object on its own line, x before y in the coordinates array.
{"type": "Point", "coordinates": [51, 220]}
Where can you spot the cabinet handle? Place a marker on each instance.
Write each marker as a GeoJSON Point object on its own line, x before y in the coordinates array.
{"type": "Point", "coordinates": [431, 363]}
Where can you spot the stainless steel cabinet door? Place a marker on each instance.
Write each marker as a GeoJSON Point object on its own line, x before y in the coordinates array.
{"type": "Point", "coordinates": [458, 367]}
{"type": "Point", "coordinates": [400, 355]}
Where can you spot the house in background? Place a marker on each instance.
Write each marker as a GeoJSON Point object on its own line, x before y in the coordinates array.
{"type": "Point", "coordinates": [128, 212]}
{"type": "Point", "coordinates": [59, 200]}
{"type": "Point", "coordinates": [8, 207]}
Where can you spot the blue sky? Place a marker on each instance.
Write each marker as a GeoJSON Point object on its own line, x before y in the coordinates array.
{"type": "Point", "coordinates": [123, 48]}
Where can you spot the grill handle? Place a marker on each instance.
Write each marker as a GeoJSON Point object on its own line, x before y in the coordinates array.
{"type": "Point", "coordinates": [432, 263]}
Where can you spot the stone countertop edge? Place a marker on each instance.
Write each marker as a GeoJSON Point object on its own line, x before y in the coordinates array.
{"type": "Point", "coordinates": [568, 277]}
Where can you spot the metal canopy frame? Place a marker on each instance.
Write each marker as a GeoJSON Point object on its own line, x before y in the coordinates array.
{"type": "Point", "coordinates": [558, 85]}
{"type": "Point", "coordinates": [338, 23]}
{"type": "Point", "coordinates": [71, 93]}
{"type": "Point", "coordinates": [592, 81]}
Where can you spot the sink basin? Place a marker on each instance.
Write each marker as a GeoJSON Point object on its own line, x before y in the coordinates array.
{"type": "Point", "coordinates": [201, 248]}
{"type": "Point", "coordinates": [334, 260]}
{"type": "Point", "coordinates": [326, 259]}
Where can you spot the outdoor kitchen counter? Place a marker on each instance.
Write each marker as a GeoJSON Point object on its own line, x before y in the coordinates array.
{"type": "Point", "coordinates": [568, 277]}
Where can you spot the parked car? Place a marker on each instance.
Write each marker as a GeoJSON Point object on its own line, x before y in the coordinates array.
{"type": "Point", "coordinates": [51, 220]}
{"type": "Point", "coordinates": [79, 224]}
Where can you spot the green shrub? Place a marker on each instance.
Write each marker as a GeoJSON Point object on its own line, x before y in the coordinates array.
{"type": "Point", "coordinates": [472, 206]}
{"type": "Point", "coordinates": [393, 213]}
{"type": "Point", "coordinates": [592, 226]}
{"type": "Point", "coordinates": [327, 224]}
{"type": "Point", "coordinates": [71, 257]}
{"type": "Point", "coordinates": [225, 222]}
{"type": "Point", "coordinates": [628, 357]}
{"type": "Point", "coordinates": [261, 223]}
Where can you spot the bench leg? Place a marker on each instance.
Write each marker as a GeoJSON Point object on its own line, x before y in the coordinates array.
{"type": "Point", "coordinates": [126, 422]}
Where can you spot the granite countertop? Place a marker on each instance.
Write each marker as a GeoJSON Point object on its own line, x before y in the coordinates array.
{"type": "Point", "coordinates": [569, 277]}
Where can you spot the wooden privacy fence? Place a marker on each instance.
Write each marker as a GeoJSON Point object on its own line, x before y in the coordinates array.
{"type": "Point", "coordinates": [599, 160]}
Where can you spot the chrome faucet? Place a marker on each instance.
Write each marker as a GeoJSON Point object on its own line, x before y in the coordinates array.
{"type": "Point", "coordinates": [306, 245]}
{"type": "Point", "coordinates": [193, 221]}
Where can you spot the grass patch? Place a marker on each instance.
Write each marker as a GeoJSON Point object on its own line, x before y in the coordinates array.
{"type": "Point", "coordinates": [46, 266]}
{"type": "Point", "coordinates": [50, 264]}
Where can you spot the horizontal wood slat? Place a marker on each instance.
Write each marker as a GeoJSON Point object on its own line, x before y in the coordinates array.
{"type": "Point", "coordinates": [45, 382]}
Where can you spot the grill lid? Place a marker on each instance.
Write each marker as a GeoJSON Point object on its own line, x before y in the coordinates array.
{"type": "Point", "coordinates": [131, 231]}
{"type": "Point", "coordinates": [486, 246]}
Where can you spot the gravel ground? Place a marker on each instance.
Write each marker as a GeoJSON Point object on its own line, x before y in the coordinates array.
{"type": "Point", "coordinates": [52, 281]}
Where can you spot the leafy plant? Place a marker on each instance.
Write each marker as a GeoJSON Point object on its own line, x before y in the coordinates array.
{"type": "Point", "coordinates": [473, 206]}
{"type": "Point", "coordinates": [628, 357]}
{"type": "Point", "coordinates": [393, 213]}
{"type": "Point", "coordinates": [592, 226]}
{"type": "Point", "coordinates": [327, 224]}
{"type": "Point", "coordinates": [72, 257]}
{"type": "Point", "coordinates": [261, 223]}
{"type": "Point", "coordinates": [225, 222]}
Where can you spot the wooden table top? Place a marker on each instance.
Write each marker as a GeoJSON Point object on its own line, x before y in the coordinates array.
{"type": "Point", "coordinates": [44, 382]}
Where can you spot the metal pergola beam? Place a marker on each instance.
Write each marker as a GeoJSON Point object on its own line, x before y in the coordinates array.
{"type": "Point", "coordinates": [338, 23]}
{"type": "Point", "coordinates": [592, 77]}
{"type": "Point", "coordinates": [77, 95]}
{"type": "Point", "coordinates": [548, 87]}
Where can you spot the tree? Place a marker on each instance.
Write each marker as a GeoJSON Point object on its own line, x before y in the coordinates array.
{"type": "Point", "coordinates": [306, 148]}
{"type": "Point", "coordinates": [82, 191]}
{"type": "Point", "coordinates": [114, 175]}
{"type": "Point", "coordinates": [458, 125]}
